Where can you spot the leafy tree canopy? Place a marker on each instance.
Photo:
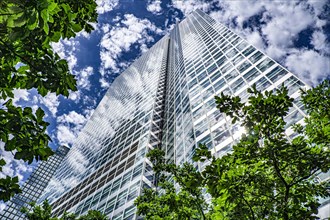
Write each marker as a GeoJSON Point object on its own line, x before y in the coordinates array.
{"type": "Point", "coordinates": [267, 175]}
{"type": "Point", "coordinates": [27, 60]}
{"type": "Point", "coordinates": [165, 202]}
{"type": "Point", "coordinates": [44, 212]}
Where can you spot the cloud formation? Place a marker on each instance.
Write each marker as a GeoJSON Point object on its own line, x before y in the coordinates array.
{"type": "Point", "coordinates": [69, 125]}
{"type": "Point", "coordinates": [279, 24]}
{"type": "Point", "coordinates": [104, 6]}
{"type": "Point", "coordinates": [13, 167]}
{"type": "Point", "coordinates": [154, 6]}
{"type": "Point", "coordinates": [120, 38]}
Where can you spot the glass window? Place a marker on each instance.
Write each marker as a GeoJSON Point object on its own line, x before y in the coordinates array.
{"type": "Point", "coordinates": [226, 67]}
{"type": "Point", "coordinates": [293, 84]}
{"type": "Point", "coordinates": [244, 66]}
{"type": "Point", "coordinates": [121, 198]}
{"type": "Point", "coordinates": [293, 118]}
{"type": "Point", "coordinates": [256, 57]}
{"type": "Point", "coordinates": [277, 73]}
{"type": "Point", "coordinates": [237, 84]}
{"type": "Point", "coordinates": [202, 76]}
{"type": "Point", "coordinates": [206, 83]}
{"type": "Point", "coordinates": [211, 69]}
{"type": "Point", "coordinates": [242, 45]}
{"type": "Point", "coordinates": [232, 75]}
{"type": "Point", "coordinates": [248, 51]}
{"type": "Point", "coordinates": [220, 84]}
{"type": "Point", "coordinates": [201, 127]}
{"type": "Point", "coordinates": [219, 137]}
{"type": "Point", "coordinates": [221, 61]}
{"type": "Point", "coordinates": [217, 55]}
{"type": "Point", "coordinates": [232, 53]}
{"type": "Point", "coordinates": [207, 141]}
{"type": "Point", "coordinates": [129, 212]}
{"type": "Point", "coordinates": [265, 64]}
{"type": "Point", "coordinates": [262, 84]}
{"type": "Point", "coordinates": [252, 74]}
{"type": "Point", "coordinates": [237, 59]}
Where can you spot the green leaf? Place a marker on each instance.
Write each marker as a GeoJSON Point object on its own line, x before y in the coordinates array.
{"type": "Point", "coordinates": [76, 27]}
{"type": "Point", "coordinates": [66, 8]}
{"type": "Point", "coordinates": [33, 21]}
{"type": "Point", "coordinates": [46, 28]}
{"type": "Point", "coordinates": [2, 162]}
{"type": "Point", "coordinates": [52, 6]}
{"type": "Point", "coordinates": [40, 114]}
{"type": "Point", "coordinates": [45, 15]}
{"type": "Point", "coordinates": [56, 37]}
{"type": "Point", "coordinates": [20, 21]}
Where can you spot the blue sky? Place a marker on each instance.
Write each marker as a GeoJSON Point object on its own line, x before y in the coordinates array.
{"type": "Point", "coordinates": [294, 33]}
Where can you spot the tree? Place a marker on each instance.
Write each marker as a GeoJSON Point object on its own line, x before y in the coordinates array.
{"type": "Point", "coordinates": [267, 175]}
{"type": "Point", "coordinates": [27, 60]}
{"type": "Point", "coordinates": [165, 201]}
{"type": "Point", "coordinates": [44, 212]}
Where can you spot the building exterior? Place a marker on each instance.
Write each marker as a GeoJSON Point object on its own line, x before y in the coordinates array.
{"type": "Point", "coordinates": [164, 99]}
{"type": "Point", "coordinates": [34, 186]}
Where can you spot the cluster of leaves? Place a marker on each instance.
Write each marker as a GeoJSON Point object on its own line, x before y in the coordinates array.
{"type": "Point", "coordinates": [23, 133]}
{"type": "Point", "coordinates": [167, 201]}
{"type": "Point", "coordinates": [27, 60]}
{"type": "Point", "coordinates": [267, 176]}
{"type": "Point", "coordinates": [44, 212]}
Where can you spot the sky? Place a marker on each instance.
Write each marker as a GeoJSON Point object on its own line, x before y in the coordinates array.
{"type": "Point", "coordinates": [294, 33]}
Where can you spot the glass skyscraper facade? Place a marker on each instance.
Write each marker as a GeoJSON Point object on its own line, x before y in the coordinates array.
{"type": "Point", "coordinates": [164, 99]}
{"type": "Point", "coordinates": [34, 186]}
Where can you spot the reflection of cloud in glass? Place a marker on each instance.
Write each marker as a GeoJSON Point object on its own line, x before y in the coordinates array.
{"type": "Point", "coordinates": [130, 94]}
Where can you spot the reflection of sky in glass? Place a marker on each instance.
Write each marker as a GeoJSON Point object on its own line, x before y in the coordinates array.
{"type": "Point", "coordinates": [131, 93]}
{"type": "Point", "coordinates": [205, 59]}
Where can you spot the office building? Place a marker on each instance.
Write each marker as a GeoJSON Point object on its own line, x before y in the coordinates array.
{"type": "Point", "coordinates": [164, 99]}
{"type": "Point", "coordinates": [34, 186]}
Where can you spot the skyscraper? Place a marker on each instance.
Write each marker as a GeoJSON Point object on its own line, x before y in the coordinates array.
{"type": "Point", "coordinates": [164, 99]}
{"type": "Point", "coordinates": [34, 185]}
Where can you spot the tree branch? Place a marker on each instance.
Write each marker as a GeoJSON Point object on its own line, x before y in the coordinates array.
{"type": "Point", "coordinates": [248, 204]}
{"type": "Point", "coordinates": [22, 58]}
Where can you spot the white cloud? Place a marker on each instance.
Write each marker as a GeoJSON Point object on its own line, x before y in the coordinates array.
{"type": "Point", "coordinates": [67, 49]}
{"type": "Point", "coordinates": [82, 77]}
{"type": "Point", "coordinates": [287, 21]}
{"type": "Point", "coordinates": [154, 6]}
{"type": "Point", "coordinates": [188, 6]}
{"type": "Point", "coordinates": [105, 5]}
{"type": "Point", "coordinates": [14, 167]}
{"type": "Point", "coordinates": [120, 38]}
{"type": "Point", "coordinates": [51, 102]}
{"type": "Point", "coordinates": [73, 118]}
{"type": "Point", "coordinates": [75, 96]}
{"type": "Point", "coordinates": [65, 135]}
{"type": "Point", "coordinates": [319, 40]}
{"type": "Point", "coordinates": [143, 48]}
{"type": "Point", "coordinates": [282, 22]}
{"type": "Point", "coordinates": [309, 65]}
{"type": "Point", "coordinates": [69, 125]}
{"type": "Point", "coordinates": [2, 206]}
{"type": "Point", "coordinates": [20, 94]}
{"type": "Point", "coordinates": [104, 83]}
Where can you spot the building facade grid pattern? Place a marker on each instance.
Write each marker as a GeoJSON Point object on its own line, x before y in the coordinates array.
{"type": "Point", "coordinates": [34, 186]}
{"type": "Point", "coordinates": [164, 99]}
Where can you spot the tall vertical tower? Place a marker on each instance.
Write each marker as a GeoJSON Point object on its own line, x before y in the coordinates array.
{"type": "Point", "coordinates": [164, 99]}
{"type": "Point", "coordinates": [34, 186]}
{"type": "Point", "coordinates": [106, 167]}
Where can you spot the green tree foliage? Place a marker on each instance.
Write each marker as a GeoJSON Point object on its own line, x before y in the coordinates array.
{"type": "Point", "coordinates": [27, 60]}
{"type": "Point", "coordinates": [267, 176]}
{"type": "Point", "coordinates": [44, 212]}
{"type": "Point", "coordinates": [165, 202]}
